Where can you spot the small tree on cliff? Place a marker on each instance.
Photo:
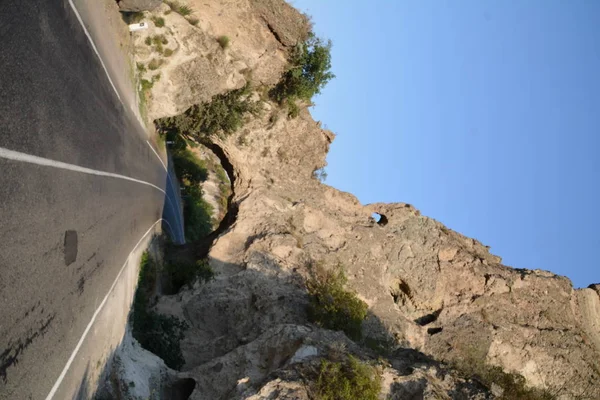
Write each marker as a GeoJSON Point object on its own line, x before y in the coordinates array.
{"type": "Point", "coordinates": [309, 72]}
{"type": "Point", "coordinates": [224, 114]}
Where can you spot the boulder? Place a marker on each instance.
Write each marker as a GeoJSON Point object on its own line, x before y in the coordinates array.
{"type": "Point", "coordinates": [138, 5]}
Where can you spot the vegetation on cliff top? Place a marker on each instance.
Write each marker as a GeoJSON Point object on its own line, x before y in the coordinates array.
{"type": "Point", "coordinates": [309, 71]}
{"type": "Point", "coordinates": [185, 274]}
{"type": "Point", "coordinates": [331, 305]}
{"type": "Point", "coordinates": [514, 386]}
{"type": "Point", "coordinates": [348, 379]}
{"type": "Point", "coordinates": [158, 333]}
{"type": "Point", "coordinates": [191, 172]}
{"type": "Point", "coordinates": [224, 114]}
{"type": "Point", "coordinates": [188, 167]}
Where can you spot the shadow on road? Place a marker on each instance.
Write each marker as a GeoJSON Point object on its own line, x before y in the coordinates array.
{"type": "Point", "coordinates": [173, 222]}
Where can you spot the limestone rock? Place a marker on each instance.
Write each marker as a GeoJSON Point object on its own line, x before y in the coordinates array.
{"type": "Point", "coordinates": [134, 373]}
{"type": "Point", "coordinates": [138, 5]}
{"type": "Point", "coordinates": [427, 287]}
{"type": "Point", "coordinates": [433, 294]}
{"type": "Point", "coordinates": [266, 369]}
{"type": "Point", "coordinates": [260, 34]}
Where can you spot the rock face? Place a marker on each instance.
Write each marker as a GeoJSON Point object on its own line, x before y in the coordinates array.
{"type": "Point", "coordinates": [433, 294]}
{"type": "Point", "coordinates": [138, 5]}
{"type": "Point", "coordinates": [196, 67]}
{"type": "Point", "coordinates": [428, 288]}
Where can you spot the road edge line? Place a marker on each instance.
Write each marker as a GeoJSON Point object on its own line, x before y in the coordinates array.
{"type": "Point", "coordinates": [169, 182]}
{"type": "Point", "coordinates": [94, 316]}
{"type": "Point", "coordinates": [94, 48]}
{"type": "Point", "coordinates": [157, 155]}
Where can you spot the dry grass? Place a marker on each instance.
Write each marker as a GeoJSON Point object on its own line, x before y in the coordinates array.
{"type": "Point", "coordinates": [181, 9]}
{"type": "Point", "coordinates": [154, 64]}
{"type": "Point", "coordinates": [223, 41]}
{"type": "Point", "coordinates": [158, 21]}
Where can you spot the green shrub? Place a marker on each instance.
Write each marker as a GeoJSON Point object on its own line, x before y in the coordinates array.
{"type": "Point", "coordinates": [513, 384]}
{"type": "Point", "coordinates": [161, 335]}
{"type": "Point", "coordinates": [182, 274]}
{"type": "Point", "coordinates": [179, 8]}
{"type": "Point", "coordinates": [141, 67]}
{"type": "Point", "coordinates": [167, 53]}
{"type": "Point", "coordinates": [156, 78]}
{"type": "Point", "coordinates": [221, 174]}
{"type": "Point", "coordinates": [293, 109]}
{"type": "Point", "coordinates": [381, 346]}
{"type": "Point", "coordinates": [191, 144]}
{"type": "Point", "coordinates": [193, 21]}
{"type": "Point", "coordinates": [347, 380]}
{"type": "Point", "coordinates": [189, 169]}
{"type": "Point", "coordinates": [147, 276]}
{"type": "Point", "coordinates": [197, 213]}
{"type": "Point", "coordinates": [153, 64]}
{"type": "Point", "coordinates": [160, 39]}
{"type": "Point", "coordinates": [146, 84]}
{"type": "Point", "coordinates": [223, 114]}
{"type": "Point", "coordinates": [159, 21]}
{"type": "Point", "coordinates": [179, 143]}
{"type": "Point", "coordinates": [155, 332]}
{"type": "Point", "coordinates": [309, 71]}
{"type": "Point", "coordinates": [174, 5]}
{"type": "Point", "coordinates": [148, 40]}
{"type": "Point", "coordinates": [223, 41]}
{"type": "Point", "coordinates": [185, 10]}
{"type": "Point", "coordinates": [333, 307]}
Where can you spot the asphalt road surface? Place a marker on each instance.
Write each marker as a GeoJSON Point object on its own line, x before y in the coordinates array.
{"type": "Point", "coordinates": [79, 187]}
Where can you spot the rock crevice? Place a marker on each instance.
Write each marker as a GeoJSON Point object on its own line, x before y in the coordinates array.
{"type": "Point", "coordinates": [431, 292]}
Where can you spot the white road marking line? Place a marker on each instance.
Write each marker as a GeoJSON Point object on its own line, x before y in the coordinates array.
{"type": "Point", "coordinates": [23, 157]}
{"type": "Point", "coordinates": [18, 156]}
{"type": "Point", "coordinates": [169, 225]}
{"type": "Point", "coordinates": [94, 47]}
{"type": "Point", "coordinates": [158, 156]}
{"type": "Point", "coordinates": [89, 326]}
{"type": "Point", "coordinates": [121, 100]}
{"type": "Point", "coordinates": [28, 158]}
{"type": "Point", "coordinates": [176, 213]}
{"type": "Point", "coordinates": [169, 181]}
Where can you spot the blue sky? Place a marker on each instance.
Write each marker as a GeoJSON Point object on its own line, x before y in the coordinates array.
{"type": "Point", "coordinates": [485, 115]}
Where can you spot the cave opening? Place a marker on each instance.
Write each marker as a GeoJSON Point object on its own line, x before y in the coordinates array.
{"type": "Point", "coordinates": [434, 331]}
{"type": "Point", "coordinates": [379, 218]}
{"type": "Point", "coordinates": [181, 389]}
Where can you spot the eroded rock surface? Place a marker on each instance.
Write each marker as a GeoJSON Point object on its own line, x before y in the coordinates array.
{"type": "Point", "coordinates": [433, 294]}
{"type": "Point", "coordinates": [428, 288]}
{"type": "Point", "coordinates": [138, 5]}
{"type": "Point", "coordinates": [196, 67]}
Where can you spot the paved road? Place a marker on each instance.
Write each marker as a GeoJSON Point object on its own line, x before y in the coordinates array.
{"type": "Point", "coordinates": [79, 187]}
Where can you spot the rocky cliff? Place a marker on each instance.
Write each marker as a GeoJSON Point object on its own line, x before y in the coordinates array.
{"type": "Point", "coordinates": [437, 299]}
